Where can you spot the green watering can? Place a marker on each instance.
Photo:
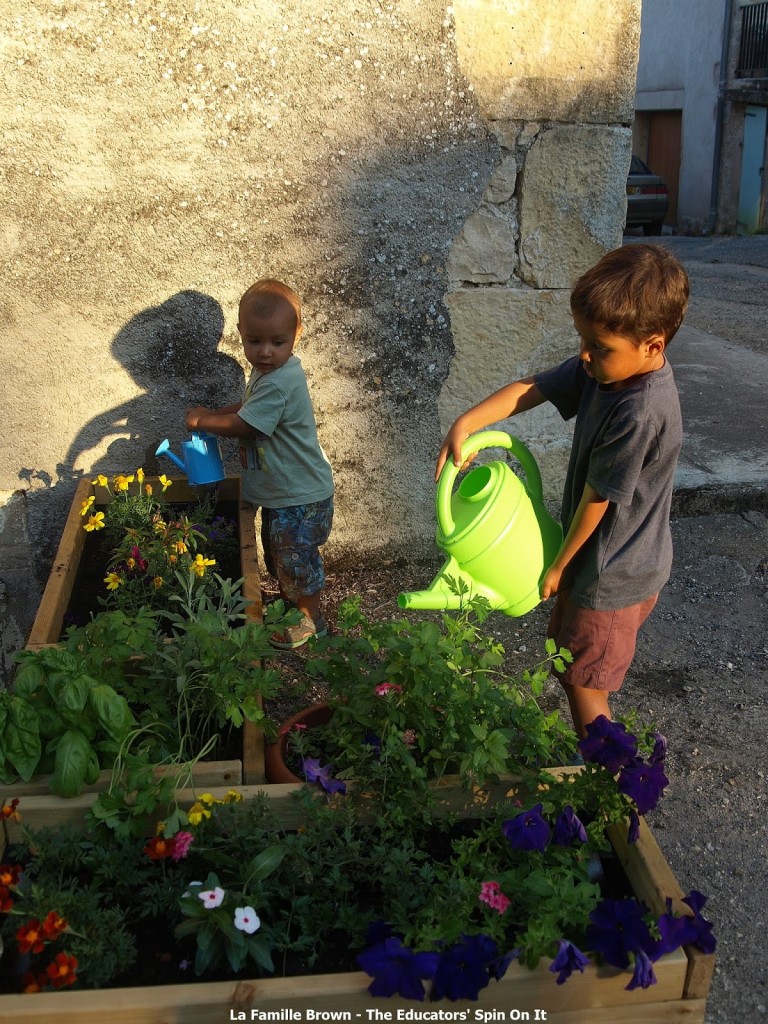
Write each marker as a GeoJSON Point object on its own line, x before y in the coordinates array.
{"type": "Point", "coordinates": [495, 530]}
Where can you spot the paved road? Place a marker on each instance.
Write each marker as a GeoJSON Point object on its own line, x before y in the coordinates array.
{"type": "Point", "coordinates": [720, 358]}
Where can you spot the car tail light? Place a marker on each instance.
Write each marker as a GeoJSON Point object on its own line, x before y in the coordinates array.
{"type": "Point", "coordinates": [654, 190]}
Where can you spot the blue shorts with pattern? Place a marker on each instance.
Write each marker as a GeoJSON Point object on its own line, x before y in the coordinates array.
{"type": "Point", "coordinates": [292, 538]}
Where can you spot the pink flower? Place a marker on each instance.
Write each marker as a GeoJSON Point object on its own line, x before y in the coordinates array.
{"type": "Point", "coordinates": [384, 688]}
{"type": "Point", "coordinates": [490, 893]}
{"type": "Point", "coordinates": [409, 737]}
{"type": "Point", "coordinates": [212, 898]}
{"type": "Point", "coordinates": [181, 844]}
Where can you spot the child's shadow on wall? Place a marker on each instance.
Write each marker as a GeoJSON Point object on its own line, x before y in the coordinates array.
{"type": "Point", "coordinates": [171, 351]}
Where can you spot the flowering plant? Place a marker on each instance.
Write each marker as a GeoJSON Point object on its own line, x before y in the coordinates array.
{"type": "Point", "coordinates": [414, 701]}
{"type": "Point", "coordinates": [427, 902]}
{"type": "Point", "coordinates": [149, 541]}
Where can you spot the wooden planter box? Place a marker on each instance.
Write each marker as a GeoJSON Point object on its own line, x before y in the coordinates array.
{"type": "Point", "coordinates": [598, 996]}
{"type": "Point", "coordinates": [49, 620]}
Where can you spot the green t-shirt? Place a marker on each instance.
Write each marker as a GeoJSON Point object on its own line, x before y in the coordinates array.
{"type": "Point", "coordinates": [284, 464]}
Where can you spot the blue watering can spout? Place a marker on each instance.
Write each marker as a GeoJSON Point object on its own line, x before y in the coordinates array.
{"type": "Point", "coordinates": [164, 448]}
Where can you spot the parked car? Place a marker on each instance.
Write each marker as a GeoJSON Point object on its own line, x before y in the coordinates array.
{"type": "Point", "coordinates": [647, 198]}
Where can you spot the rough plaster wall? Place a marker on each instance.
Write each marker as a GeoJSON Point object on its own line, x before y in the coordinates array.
{"type": "Point", "coordinates": [159, 155]}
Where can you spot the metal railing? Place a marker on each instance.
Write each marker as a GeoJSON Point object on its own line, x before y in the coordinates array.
{"type": "Point", "coordinates": [753, 45]}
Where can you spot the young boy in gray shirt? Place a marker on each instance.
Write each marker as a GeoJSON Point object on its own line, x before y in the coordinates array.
{"type": "Point", "coordinates": [285, 470]}
{"type": "Point", "coordinates": [617, 550]}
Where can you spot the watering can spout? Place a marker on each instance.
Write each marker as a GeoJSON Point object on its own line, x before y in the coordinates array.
{"type": "Point", "coordinates": [164, 448]}
{"type": "Point", "coordinates": [451, 589]}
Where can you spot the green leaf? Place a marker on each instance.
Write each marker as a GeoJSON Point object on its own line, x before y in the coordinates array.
{"type": "Point", "coordinates": [112, 710]}
{"type": "Point", "coordinates": [265, 863]}
{"type": "Point", "coordinates": [73, 755]}
{"type": "Point", "coordinates": [20, 742]}
{"type": "Point", "coordinates": [261, 953]}
{"type": "Point", "coordinates": [550, 646]}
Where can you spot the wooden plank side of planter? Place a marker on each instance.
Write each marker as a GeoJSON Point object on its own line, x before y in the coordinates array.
{"type": "Point", "coordinates": [596, 997]}
{"type": "Point", "coordinates": [204, 773]}
{"type": "Point", "coordinates": [654, 882]}
{"type": "Point", "coordinates": [253, 736]}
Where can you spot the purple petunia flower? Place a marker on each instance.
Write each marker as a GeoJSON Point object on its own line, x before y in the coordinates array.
{"type": "Point", "coordinates": [643, 976]}
{"type": "Point", "coordinates": [397, 970]}
{"type": "Point", "coordinates": [314, 772]}
{"type": "Point", "coordinates": [568, 960]}
{"type": "Point", "coordinates": [659, 748]}
{"type": "Point", "coordinates": [608, 743]}
{"type": "Point", "coordinates": [465, 968]}
{"type": "Point", "coordinates": [683, 930]}
{"type": "Point", "coordinates": [643, 783]}
{"type": "Point", "coordinates": [569, 828]}
{"type": "Point", "coordinates": [634, 827]}
{"type": "Point", "coordinates": [616, 929]}
{"type": "Point", "coordinates": [528, 830]}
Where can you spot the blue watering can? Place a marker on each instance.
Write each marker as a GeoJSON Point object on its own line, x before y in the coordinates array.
{"type": "Point", "coordinates": [201, 457]}
{"type": "Point", "coordinates": [495, 530]}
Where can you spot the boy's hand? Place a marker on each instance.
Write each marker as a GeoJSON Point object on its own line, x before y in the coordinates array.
{"type": "Point", "coordinates": [552, 582]}
{"type": "Point", "coordinates": [451, 448]}
{"type": "Point", "coordinates": [193, 416]}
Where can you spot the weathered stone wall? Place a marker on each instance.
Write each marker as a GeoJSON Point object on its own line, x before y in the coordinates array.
{"type": "Point", "coordinates": [160, 155]}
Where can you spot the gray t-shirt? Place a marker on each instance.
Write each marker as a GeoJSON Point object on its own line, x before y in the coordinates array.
{"type": "Point", "coordinates": [284, 464]}
{"type": "Point", "coordinates": [625, 446]}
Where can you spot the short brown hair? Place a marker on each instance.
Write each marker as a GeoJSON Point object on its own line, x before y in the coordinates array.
{"type": "Point", "coordinates": [265, 295]}
{"type": "Point", "coordinates": [635, 291]}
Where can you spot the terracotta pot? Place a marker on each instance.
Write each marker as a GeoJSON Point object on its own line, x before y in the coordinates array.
{"type": "Point", "coordinates": [274, 755]}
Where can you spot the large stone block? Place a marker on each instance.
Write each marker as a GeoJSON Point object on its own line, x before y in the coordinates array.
{"type": "Point", "coordinates": [572, 202]}
{"type": "Point", "coordinates": [502, 334]}
{"type": "Point", "coordinates": [573, 60]}
{"type": "Point", "coordinates": [484, 252]}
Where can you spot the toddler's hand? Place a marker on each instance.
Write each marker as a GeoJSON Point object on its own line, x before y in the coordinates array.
{"type": "Point", "coordinates": [552, 582]}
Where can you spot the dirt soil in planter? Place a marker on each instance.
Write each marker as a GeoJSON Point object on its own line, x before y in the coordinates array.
{"type": "Point", "coordinates": [700, 674]}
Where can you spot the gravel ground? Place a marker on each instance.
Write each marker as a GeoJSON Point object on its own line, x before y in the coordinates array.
{"type": "Point", "coordinates": [701, 667]}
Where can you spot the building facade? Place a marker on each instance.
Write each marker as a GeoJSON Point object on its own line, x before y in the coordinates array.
{"type": "Point", "coordinates": [700, 111]}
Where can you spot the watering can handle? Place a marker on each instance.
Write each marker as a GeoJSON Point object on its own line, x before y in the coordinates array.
{"type": "Point", "coordinates": [476, 443]}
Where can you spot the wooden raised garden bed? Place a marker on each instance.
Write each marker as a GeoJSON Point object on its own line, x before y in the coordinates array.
{"type": "Point", "coordinates": [62, 582]}
{"type": "Point", "coordinates": [598, 996]}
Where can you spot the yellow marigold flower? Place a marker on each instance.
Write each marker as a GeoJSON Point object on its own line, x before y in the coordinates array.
{"type": "Point", "coordinates": [140, 475]}
{"type": "Point", "coordinates": [200, 564]}
{"type": "Point", "coordinates": [159, 828]}
{"type": "Point", "coordinates": [159, 526]}
{"type": "Point", "coordinates": [208, 798]}
{"type": "Point", "coordinates": [166, 483]}
{"type": "Point", "coordinates": [233, 797]}
{"type": "Point", "coordinates": [172, 559]}
{"type": "Point", "coordinates": [148, 489]}
{"type": "Point", "coordinates": [196, 813]}
{"type": "Point", "coordinates": [157, 582]}
{"type": "Point", "coordinates": [181, 547]}
{"type": "Point", "coordinates": [112, 580]}
{"type": "Point", "coordinates": [86, 505]}
{"type": "Point", "coordinates": [122, 482]}
{"type": "Point", "coordinates": [101, 480]}
{"type": "Point", "coordinates": [96, 522]}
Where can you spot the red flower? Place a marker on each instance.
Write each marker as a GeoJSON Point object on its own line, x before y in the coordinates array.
{"type": "Point", "coordinates": [62, 970]}
{"type": "Point", "coordinates": [9, 874]}
{"type": "Point", "coordinates": [6, 900]}
{"type": "Point", "coordinates": [29, 938]}
{"type": "Point", "coordinates": [159, 848]}
{"type": "Point", "coordinates": [31, 982]}
{"type": "Point", "coordinates": [9, 810]}
{"type": "Point", "coordinates": [54, 925]}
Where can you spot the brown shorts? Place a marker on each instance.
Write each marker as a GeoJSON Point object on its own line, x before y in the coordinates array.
{"type": "Point", "coordinates": [602, 642]}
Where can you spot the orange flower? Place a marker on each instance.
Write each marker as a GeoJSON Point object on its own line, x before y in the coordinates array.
{"type": "Point", "coordinates": [33, 982]}
{"type": "Point", "coordinates": [158, 848]}
{"type": "Point", "coordinates": [9, 810]}
{"type": "Point", "coordinates": [62, 970]}
{"type": "Point", "coordinates": [9, 874]}
{"type": "Point", "coordinates": [54, 925]}
{"type": "Point", "coordinates": [29, 938]}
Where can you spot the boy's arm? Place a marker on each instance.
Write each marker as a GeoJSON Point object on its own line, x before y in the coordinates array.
{"type": "Point", "coordinates": [587, 518]}
{"type": "Point", "coordinates": [507, 401]}
{"type": "Point", "coordinates": [221, 422]}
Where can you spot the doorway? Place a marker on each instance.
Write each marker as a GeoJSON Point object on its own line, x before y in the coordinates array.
{"type": "Point", "coordinates": [752, 165]}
